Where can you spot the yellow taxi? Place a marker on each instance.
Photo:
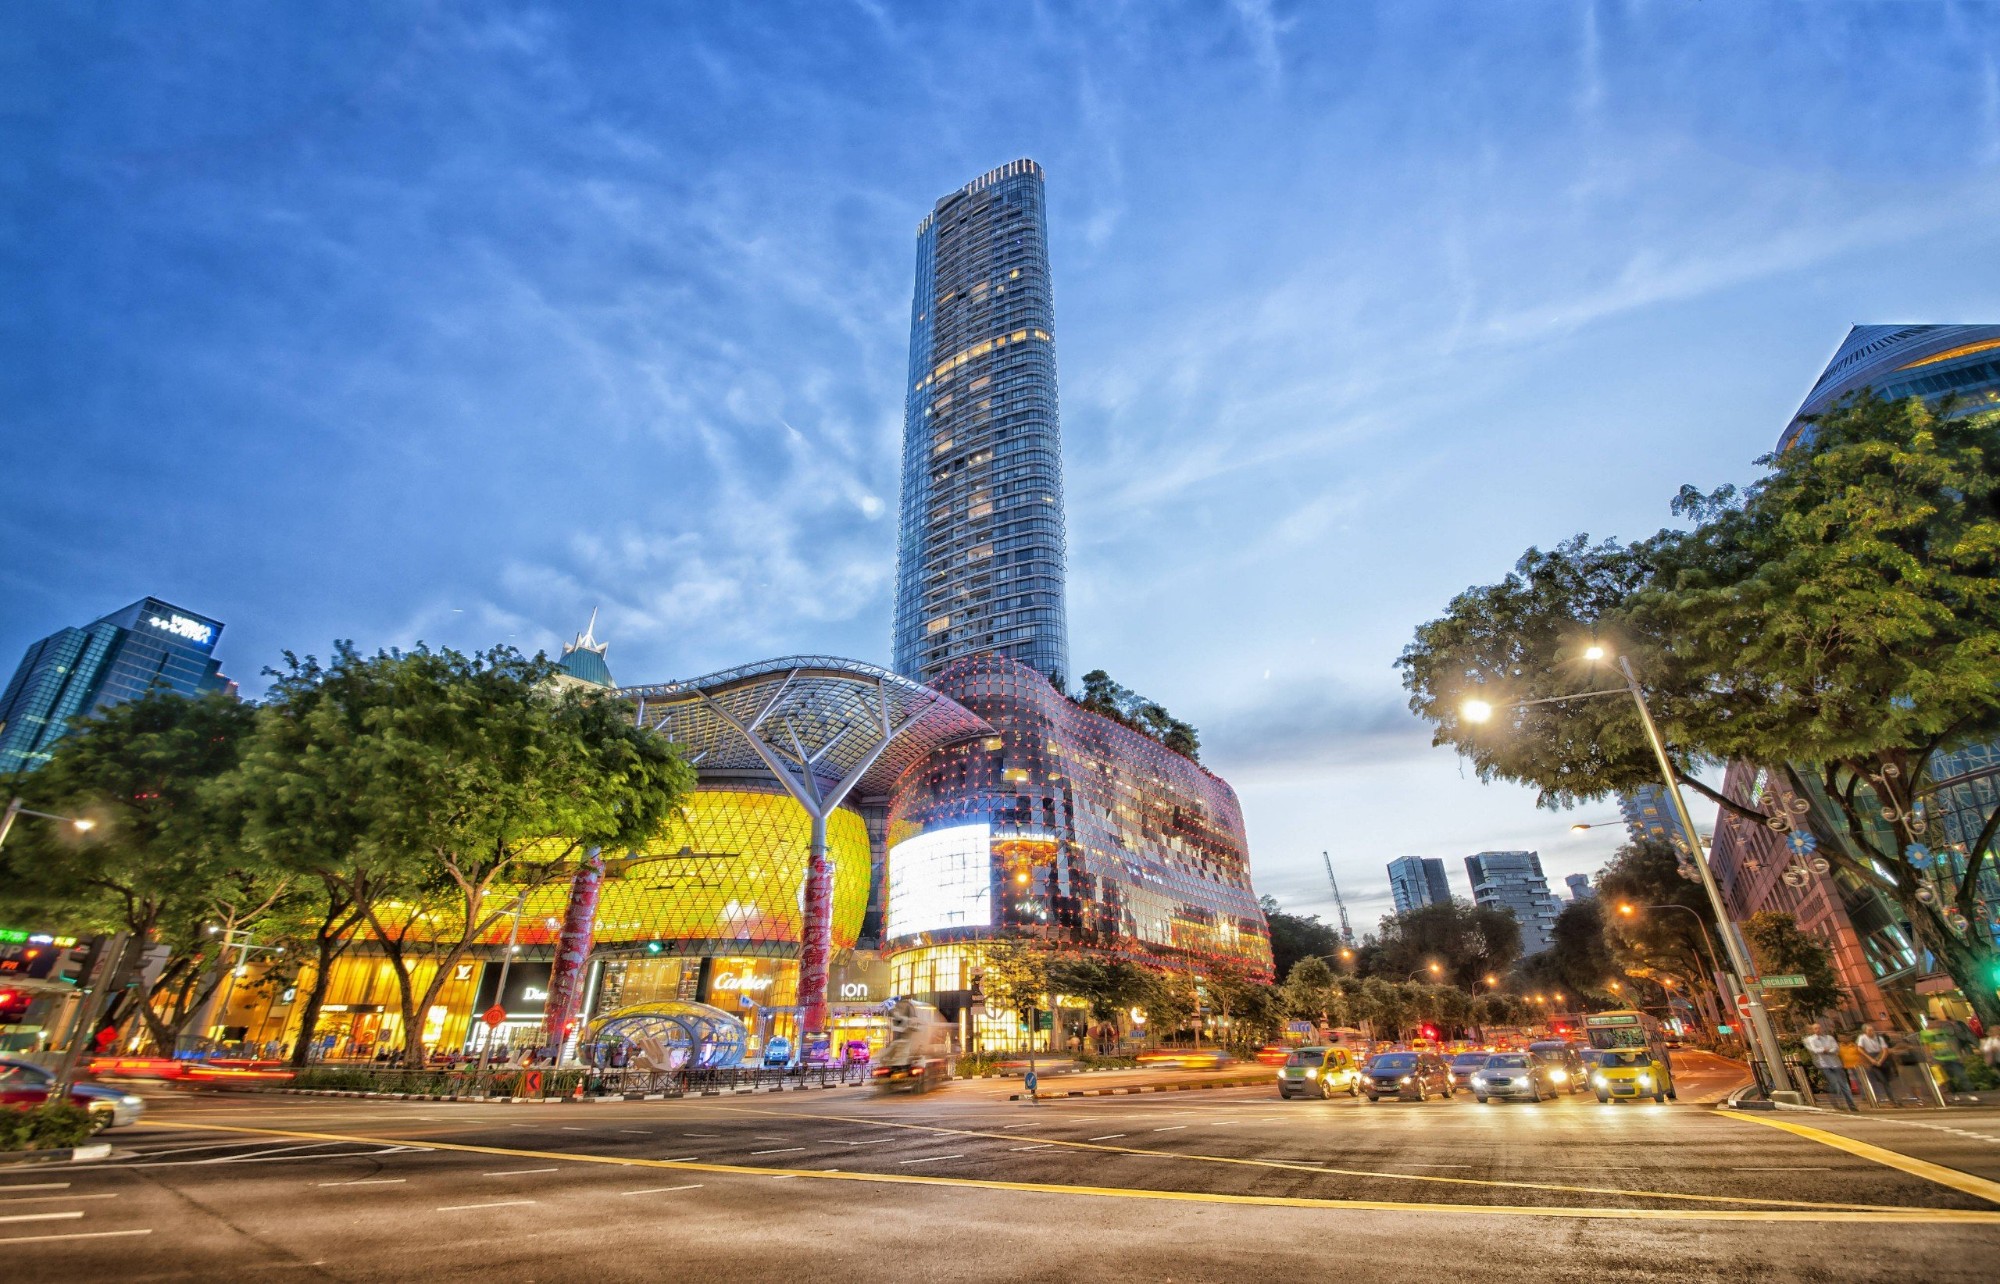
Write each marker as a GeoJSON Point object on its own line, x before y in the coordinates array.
{"type": "Point", "coordinates": [1628, 1057]}
{"type": "Point", "coordinates": [1319, 1072]}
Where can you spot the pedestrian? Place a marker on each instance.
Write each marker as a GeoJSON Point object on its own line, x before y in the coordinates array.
{"type": "Point", "coordinates": [1941, 1043]}
{"type": "Point", "coordinates": [1875, 1050]}
{"type": "Point", "coordinates": [1989, 1048]}
{"type": "Point", "coordinates": [1825, 1050]}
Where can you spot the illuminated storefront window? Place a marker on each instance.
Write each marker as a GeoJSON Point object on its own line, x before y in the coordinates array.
{"type": "Point", "coordinates": [941, 880]}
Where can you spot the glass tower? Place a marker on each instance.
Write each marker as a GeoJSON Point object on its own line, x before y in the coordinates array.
{"type": "Point", "coordinates": [1417, 881]}
{"type": "Point", "coordinates": [979, 567]}
{"type": "Point", "coordinates": [72, 673]}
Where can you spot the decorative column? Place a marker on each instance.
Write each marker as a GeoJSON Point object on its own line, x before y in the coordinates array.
{"type": "Point", "coordinates": [567, 973]}
{"type": "Point", "coordinates": [816, 933]}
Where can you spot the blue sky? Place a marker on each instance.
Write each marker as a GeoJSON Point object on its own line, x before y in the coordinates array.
{"type": "Point", "coordinates": [452, 322]}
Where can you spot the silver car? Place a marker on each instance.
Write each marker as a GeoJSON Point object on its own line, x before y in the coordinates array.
{"type": "Point", "coordinates": [23, 1083]}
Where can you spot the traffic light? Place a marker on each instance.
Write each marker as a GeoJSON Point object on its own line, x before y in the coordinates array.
{"type": "Point", "coordinates": [654, 947]}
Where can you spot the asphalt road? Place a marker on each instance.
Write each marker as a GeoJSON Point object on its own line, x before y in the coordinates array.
{"type": "Point", "coordinates": [964, 1184]}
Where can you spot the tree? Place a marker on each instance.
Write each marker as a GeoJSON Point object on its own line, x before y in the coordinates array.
{"type": "Point", "coordinates": [1310, 993]}
{"type": "Point", "coordinates": [1168, 1000]}
{"type": "Point", "coordinates": [1110, 699]}
{"type": "Point", "coordinates": [161, 860]}
{"type": "Point", "coordinates": [1014, 976]}
{"type": "Point", "coordinates": [429, 790]}
{"type": "Point", "coordinates": [1782, 949]}
{"type": "Point", "coordinates": [1579, 959]}
{"type": "Point", "coordinates": [1642, 877]}
{"type": "Point", "coordinates": [1471, 942]}
{"type": "Point", "coordinates": [1297, 936]}
{"type": "Point", "coordinates": [1837, 622]}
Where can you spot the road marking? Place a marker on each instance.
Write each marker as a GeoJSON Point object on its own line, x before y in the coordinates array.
{"type": "Point", "coordinates": [522, 1172]}
{"type": "Point", "coordinates": [1789, 1168]}
{"type": "Point", "coordinates": [42, 1217]}
{"type": "Point", "coordinates": [1437, 1165]}
{"type": "Point", "coordinates": [781, 1150]}
{"type": "Point", "coordinates": [643, 1132]}
{"type": "Point", "coordinates": [879, 1141]}
{"type": "Point", "coordinates": [367, 1181]}
{"type": "Point", "coordinates": [1315, 1165]}
{"type": "Point", "coordinates": [1943, 1176]}
{"type": "Point", "coordinates": [39, 1185]}
{"type": "Point", "coordinates": [1047, 1145]}
{"type": "Point", "coordinates": [567, 1128]}
{"type": "Point", "coordinates": [683, 1159]}
{"type": "Point", "coordinates": [1108, 1136]}
{"type": "Point", "coordinates": [1175, 1128]}
{"type": "Point", "coordinates": [707, 1134]}
{"type": "Point", "coordinates": [928, 1159]}
{"type": "Point", "coordinates": [662, 1190]}
{"type": "Point", "coordinates": [41, 1239]}
{"type": "Point", "coordinates": [1809, 1213]}
{"type": "Point", "coordinates": [504, 1203]}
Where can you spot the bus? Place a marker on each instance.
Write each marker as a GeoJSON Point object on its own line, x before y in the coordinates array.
{"type": "Point", "coordinates": [1629, 1056]}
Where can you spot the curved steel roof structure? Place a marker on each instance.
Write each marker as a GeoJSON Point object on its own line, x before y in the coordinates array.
{"type": "Point", "coordinates": [821, 724]}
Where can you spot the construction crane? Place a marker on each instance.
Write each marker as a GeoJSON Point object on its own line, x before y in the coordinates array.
{"type": "Point", "coordinates": [1346, 931]}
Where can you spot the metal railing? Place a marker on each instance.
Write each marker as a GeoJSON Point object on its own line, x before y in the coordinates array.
{"type": "Point", "coordinates": [541, 1082]}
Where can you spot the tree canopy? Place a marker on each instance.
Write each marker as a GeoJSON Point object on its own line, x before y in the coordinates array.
{"type": "Point", "coordinates": [1121, 704]}
{"type": "Point", "coordinates": [1837, 622]}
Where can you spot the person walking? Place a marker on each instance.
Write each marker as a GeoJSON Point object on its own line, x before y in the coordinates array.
{"type": "Point", "coordinates": [1989, 1048]}
{"type": "Point", "coordinates": [1825, 1050]}
{"type": "Point", "coordinates": [1875, 1063]}
{"type": "Point", "coordinates": [1940, 1042]}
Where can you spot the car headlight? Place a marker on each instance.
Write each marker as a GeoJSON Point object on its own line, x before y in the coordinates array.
{"type": "Point", "coordinates": [1645, 1080]}
{"type": "Point", "coordinates": [1312, 1074]}
{"type": "Point", "coordinates": [1404, 1079]}
{"type": "Point", "coordinates": [129, 1100]}
{"type": "Point", "coordinates": [1597, 1079]}
{"type": "Point", "coordinates": [1479, 1079]}
{"type": "Point", "coordinates": [1559, 1076]}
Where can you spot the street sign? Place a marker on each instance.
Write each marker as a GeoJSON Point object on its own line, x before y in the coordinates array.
{"type": "Point", "coordinates": [1792, 981]}
{"type": "Point", "coordinates": [493, 1016]}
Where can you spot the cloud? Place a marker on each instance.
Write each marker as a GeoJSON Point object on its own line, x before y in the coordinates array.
{"type": "Point", "coordinates": [1311, 725]}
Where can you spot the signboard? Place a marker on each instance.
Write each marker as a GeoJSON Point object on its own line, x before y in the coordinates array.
{"type": "Point", "coordinates": [1601, 1020]}
{"type": "Point", "coordinates": [191, 629]}
{"type": "Point", "coordinates": [493, 1016]}
{"type": "Point", "coordinates": [527, 989]}
{"type": "Point", "coordinates": [1791, 981]}
{"type": "Point", "coordinates": [941, 880]}
{"type": "Point", "coordinates": [861, 977]}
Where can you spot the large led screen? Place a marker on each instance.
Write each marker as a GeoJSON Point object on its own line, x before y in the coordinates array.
{"type": "Point", "coordinates": [941, 880]}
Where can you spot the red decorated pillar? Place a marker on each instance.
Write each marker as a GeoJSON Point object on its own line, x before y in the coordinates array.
{"type": "Point", "coordinates": [567, 975]}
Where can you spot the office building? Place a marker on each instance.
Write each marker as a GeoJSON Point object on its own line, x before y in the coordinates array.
{"type": "Point", "coordinates": [1416, 881]}
{"type": "Point", "coordinates": [1650, 816]}
{"type": "Point", "coordinates": [1513, 881]}
{"type": "Point", "coordinates": [1579, 887]}
{"type": "Point", "coordinates": [1897, 361]}
{"type": "Point", "coordinates": [980, 562]}
{"type": "Point", "coordinates": [76, 671]}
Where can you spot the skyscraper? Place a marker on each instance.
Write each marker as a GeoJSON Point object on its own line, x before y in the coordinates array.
{"type": "Point", "coordinates": [1649, 813]}
{"type": "Point", "coordinates": [980, 562]}
{"type": "Point", "coordinates": [73, 672]}
{"type": "Point", "coordinates": [1579, 887]}
{"type": "Point", "coordinates": [1416, 881]}
{"type": "Point", "coordinates": [1514, 881]}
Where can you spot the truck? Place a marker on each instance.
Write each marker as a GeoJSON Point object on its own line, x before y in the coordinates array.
{"type": "Point", "coordinates": [918, 1057]}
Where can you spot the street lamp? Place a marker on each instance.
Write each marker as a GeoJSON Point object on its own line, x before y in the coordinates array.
{"type": "Point", "coordinates": [15, 808]}
{"type": "Point", "coordinates": [1765, 1037]}
{"type": "Point", "coordinates": [1433, 968]}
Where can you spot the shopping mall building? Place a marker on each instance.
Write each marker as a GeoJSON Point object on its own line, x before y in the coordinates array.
{"type": "Point", "coordinates": [994, 808]}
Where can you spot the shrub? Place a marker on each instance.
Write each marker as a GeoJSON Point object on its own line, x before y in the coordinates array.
{"type": "Point", "coordinates": [55, 1126]}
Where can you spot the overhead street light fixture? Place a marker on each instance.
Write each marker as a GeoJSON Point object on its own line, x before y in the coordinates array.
{"type": "Point", "coordinates": [15, 808]}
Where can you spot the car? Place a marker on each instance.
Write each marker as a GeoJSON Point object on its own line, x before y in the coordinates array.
{"type": "Point", "coordinates": [1274, 1054]}
{"type": "Point", "coordinates": [1319, 1072]}
{"type": "Point", "coordinates": [1463, 1064]}
{"type": "Point", "coordinates": [778, 1052]}
{"type": "Point", "coordinates": [1565, 1063]}
{"type": "Point", "coordinates": [1184, 1058]}
{"type": "Point", "coordinates": [23, 1083]}
{"type": "Point", "coordinates": [1626, 1074]}
{"type": "Point", "coordinates": [1412, 1076]}
{"type": "Point", "coordinates": [1514, 1074]}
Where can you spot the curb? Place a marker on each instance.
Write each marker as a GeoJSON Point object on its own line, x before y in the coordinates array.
{"type": "Point", "coordinates": [89, 1154]}
{"type": "Point", "coordinates": [1126, 1092]}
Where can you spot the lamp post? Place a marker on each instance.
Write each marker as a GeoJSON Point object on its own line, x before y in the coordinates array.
{"type": "Point", "coordinates": [1764, 1036]}
{"type": "Point", "coordinates": [15, 808]}
{"type": "Point", "coordinates": [500, 993]}
{"type": "Point", "coordinates": [244, 942]}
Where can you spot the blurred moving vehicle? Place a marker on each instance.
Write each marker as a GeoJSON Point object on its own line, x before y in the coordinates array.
{"type": "Point", "coordinates": [1631, 1059]}
{"type": "Point", "coordinates": [1514, 1074]}
{"type": "Point", "coordinates": [1184, 1058]}
{"type": "Point", "coordinates": [854, 1052]}
{"type": "Point", "coordinates": [22, 1083]}
{"type": "Point", "coordinates": [1463, 1065]}
{"type": "Point", "coordinates": [1564, 1062]}
{"type": "Point", "coordinates": [918, 1057]}
{"type": "Point", "coordinates": [778, 1052]}
{"type": "Point", "coordinates": [1319, 1072]}
{"type": "Point", "coordinates": [1274, 1054]}
{"type": "Point", "coordinates": [1410, 1076]}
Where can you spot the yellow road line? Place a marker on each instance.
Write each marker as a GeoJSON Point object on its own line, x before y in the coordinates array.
{"type": "Point", "coordinates": [1887, 1215]}
{"type": "Point", "coordinates": [1294, 1166]}
{"type": "Point", "coordinates": [1943, 1176]}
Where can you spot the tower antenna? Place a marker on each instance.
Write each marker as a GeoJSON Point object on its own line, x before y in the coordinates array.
{"type": "Point", "coordinates": [1346, 932]}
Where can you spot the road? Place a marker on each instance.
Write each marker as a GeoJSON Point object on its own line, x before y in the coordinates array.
{"type": "Point", "coordinates": [965, 1184]}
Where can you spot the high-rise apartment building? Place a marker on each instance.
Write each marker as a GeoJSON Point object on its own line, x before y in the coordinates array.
{"type": "Point", "coordinates": [980, 563]}
{"type": "Point", "coordinates": [1416, 881]}
{"type": "Point", "coordinates": [1579, 887]}
{"type": "Point", "coordinates": [71, 673]}
{"type": "Point", "coordinates": [1649, 814]}
{"type": "Point", "coordinates": [1514, 881]}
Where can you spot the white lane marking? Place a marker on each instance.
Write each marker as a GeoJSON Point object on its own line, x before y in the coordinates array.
{"type": "Point", "coordinates": [38, 1239]}
{"type": "Point", "coordinates": [1788, 1168]}
{"type": "Point", "coordinates": [1108, 1136]}
{"type": "Point", "coordinates": [213, 1145]}
{"type": "Point", "coordinates": [680, 1159]}
{"type": "Point", "coordinates": [43, 1217]}
{"type": "Point", "coordinates": [1175, 1128]}
{"type": "Point", "coordinates": [781, 1150]}
{"type": "Point", "coordinates": [522, 1172]}
{"type": "Point", "coordinates": [661, 1190]}
{"type": "Point", "coordinates": [1321, 1161]}
{"type": "Point", "coordinates": [758, 1136]}
{"type": "Point", "coordinates": [929, 1159]}
{"type": "Point", "coordinates": [39, 1185]}
{"type": "Point", "coordinates": [43, 1199]}
{"type": "Point", "coordinates": [879, 1141]}
{"type": "Point", "coordinates": [274, 1150]}
{"type": "Point", "coordinates": [1047, 1145]}
{"type": "Point", "coordinates": [367, 1181]}
{"type": "Point", "coordinates": [643, 1132]}
{"type": "Point", "coordinates": [504, 1203]}
{"type": "Point", "coordinates": [274, 1159]}
{"type": "Point", "coordinates": [568, 1128]}
{"type": "Point", "coordinates": [707, 1134]}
